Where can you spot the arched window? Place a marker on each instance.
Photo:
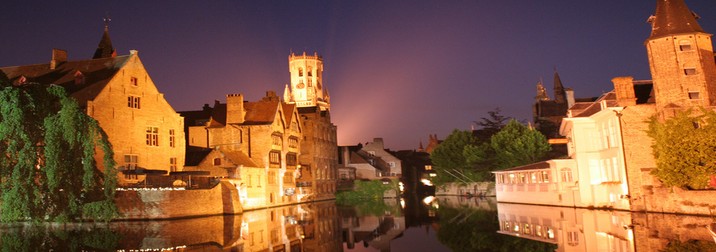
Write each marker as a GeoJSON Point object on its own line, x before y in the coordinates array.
{"type": "Point", "coordinates": [310, 72]}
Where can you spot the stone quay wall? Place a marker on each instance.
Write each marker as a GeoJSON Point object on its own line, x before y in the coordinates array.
{"type": "Point", "coordinates": [169, 204]}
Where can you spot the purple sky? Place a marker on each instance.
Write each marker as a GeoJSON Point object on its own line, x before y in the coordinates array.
{"type": "Point", "coordinates": [395, 69]}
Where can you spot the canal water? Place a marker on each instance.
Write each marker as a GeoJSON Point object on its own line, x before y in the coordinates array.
{"type": "Point", "coordinates": [428, 224]}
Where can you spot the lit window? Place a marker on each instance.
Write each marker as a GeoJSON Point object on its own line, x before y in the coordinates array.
{"type": "Point", "coordinates": [428, 167]}
{"type": "Point", "coordinates": [545, 176]}
{"type": "Point", "coordinates": [309, 72]}
{"type": "Point", "coordinates": [566, 175]}
{"type": "Point", "coordinates": [152, 136]}
{"type": "Point", "coordinates": [300, 72]}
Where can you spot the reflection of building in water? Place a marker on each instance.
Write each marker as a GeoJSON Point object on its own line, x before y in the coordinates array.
{"type": "Point", "coordinates": [572, 229]}
{"type": "Point", "coordinates": [372, 230]}
{"type": "Point", "coordinates": [320, 224]}
{"type": "Point", "coordinates": [274, 229]}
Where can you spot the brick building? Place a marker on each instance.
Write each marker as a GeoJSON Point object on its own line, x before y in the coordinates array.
{"type": "Point", "coordinates": [255, 143]}
{"type": "Point", "coordinates": [144, 130]}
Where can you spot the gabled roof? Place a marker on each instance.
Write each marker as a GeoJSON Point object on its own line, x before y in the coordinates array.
{"type": "Point", "coordinates": [260, 112]}
{"type": "Point", "coordinates": [288, 112]}
{"type": "Point", "coordinates": [96, 74]}
{"type": "Point", "coordinates": [672, 17]}
{"type": "Point", "coordinates": [194, 155]}
{"type": "Point", "coordinates": [239, 158]}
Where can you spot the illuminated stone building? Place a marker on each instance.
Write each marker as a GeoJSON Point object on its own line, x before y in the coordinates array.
{"type": "Point", "coordinates": [683, 70]}
{"type": "Point", "coordinates": [371, 161]}
{"type": "Point", "coordinates": [256, 143]}
{"type": "Point", "coordinates": [144, 130]}
{"type": "Point", "coordinates": [319, 154]}
{"type": "Point", "coordinates": [607, 138]}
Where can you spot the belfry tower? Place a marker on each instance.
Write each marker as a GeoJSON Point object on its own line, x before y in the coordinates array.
{"type": "Point", "coordinates": [681, 59]}
{"type": "Point", "coordinates": [306, 88]}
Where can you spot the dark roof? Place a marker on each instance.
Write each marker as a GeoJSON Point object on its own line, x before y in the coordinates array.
{"type": "Point", "coordinates": [194, 155]}
{"type": "Point", "coordinates": [535, 166]}
{"type": "Point", "coordinates": [672, 17]}
{"type": "Point", "coordinates": [261, 112]}
{"type": "Point", "coordinates": [105, 49]}
{"type": "Point", "coordinates": [594, 107]}
{"type": "Point", "coordinates": [288, 112]}
{"type": "Point", "coordinates": [552, 108]}
{"type": "Point", "coordinates": [96, 73]}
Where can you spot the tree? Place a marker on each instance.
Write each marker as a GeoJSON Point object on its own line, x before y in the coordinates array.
{"type": "Point", "coordinates": [517, 145]}
{"type": "Point", "coordinates": [491, 125]}
{"type": "Point", "coordinates": [456, 158]}
{"type": "Point", "coordinates": [684, 147]}
{"type": "Point", "coordinates": [47, 165]}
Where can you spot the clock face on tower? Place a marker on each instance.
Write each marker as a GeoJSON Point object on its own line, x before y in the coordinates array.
{"type": "Point", "coordinates": [300, 86]}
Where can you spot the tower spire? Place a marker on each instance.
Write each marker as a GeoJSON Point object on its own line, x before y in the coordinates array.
{"type": "Point", "coordinates": [559, 94]}
{"type": "Point", "coordinates": [672, 17]}
{"type": "Point", "coordinates": [105, 49]}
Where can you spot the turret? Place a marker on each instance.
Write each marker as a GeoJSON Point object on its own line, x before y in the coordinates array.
{"type": "Point", "coordinates": [680, 58]}
{"type": "Point", "coordinates": [306, 81]}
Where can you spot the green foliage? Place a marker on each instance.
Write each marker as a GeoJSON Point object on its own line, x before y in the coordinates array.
{"type": "Point", "coordinates": [691, 245]}
{"type": "Point", "coordinates": [36, 239]}
{"type": "Point", "coordinates": [684, 147]}
{"type": "Point", "coordinates": [459, 158]}
{"type": "Point", "coordinates": [364, 190]}
{"type": "Point", "coordinates": [48, 169]}
{"type": "Point", "coordinates": [516, 145]}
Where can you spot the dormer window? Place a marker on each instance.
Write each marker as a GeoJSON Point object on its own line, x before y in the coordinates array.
{"type": "Point", "coordinates": [684, 45]}
{"type": "Point", "coordinates": [79, 78]}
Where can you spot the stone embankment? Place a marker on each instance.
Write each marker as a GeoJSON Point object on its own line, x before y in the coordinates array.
{"type": "Point", "coordinates": [486, 189]}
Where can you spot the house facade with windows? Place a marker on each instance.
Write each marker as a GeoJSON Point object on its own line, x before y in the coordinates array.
{"type": "Point", "coordinates": [255, 144]}
{"type": "Point", "coordinates": [371, 161]}
{"type": "Point", "coordinates": [117, 91]}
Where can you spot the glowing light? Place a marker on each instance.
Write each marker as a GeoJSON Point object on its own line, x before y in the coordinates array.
{"type": "Point", "coordinates": [402, 203]}
{"type": "Point", "coordinates": [428, 200]}
{"type": "Point", "coordinates": [401, 187]}
{"type": "Point", "coordinates": [426, 182]}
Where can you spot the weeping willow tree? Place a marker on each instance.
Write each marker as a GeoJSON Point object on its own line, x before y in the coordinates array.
{"type": "Point", "coordinates": [47, 166]}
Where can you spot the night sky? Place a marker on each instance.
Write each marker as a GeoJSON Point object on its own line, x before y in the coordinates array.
{"type": "Point", "coordinates": [395, 69]}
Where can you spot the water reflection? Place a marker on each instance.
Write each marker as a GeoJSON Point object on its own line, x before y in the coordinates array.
{"type": "Point", "coordinates": [413, 224]}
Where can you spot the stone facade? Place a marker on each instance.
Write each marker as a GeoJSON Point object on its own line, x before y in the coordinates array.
{"type": "Point", "coordinates": [144, 130]}
{"type": "Point", "coordinates": [258, 143]}
{"type": "Point", "coordinates": [319, 154]}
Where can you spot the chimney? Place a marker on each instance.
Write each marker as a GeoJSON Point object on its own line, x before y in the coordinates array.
{"type": "Point", "coordinates": [58, 57]}
{"type": "Point", "coordinates": [570, 97]}
{"type": "Point", "coordinates": [234, 109]}
{"type": "Point", "coordinates": [624, 89]}
{"type": "Point", "coordinates": [379, 141]}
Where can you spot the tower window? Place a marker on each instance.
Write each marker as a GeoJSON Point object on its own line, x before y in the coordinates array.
{"type": "Point", "coordinates": [684, 45]}
{"type": "Point", "coordinates": [694, 95]}
{"type": "Point", "coordinates": [689, 71]}
{"type": "Point", "coordinates": [300, 72]}
{"type": "Point", "coordinates": [310, 72]}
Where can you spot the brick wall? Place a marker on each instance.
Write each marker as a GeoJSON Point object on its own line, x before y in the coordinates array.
{"type": "Point", "coordinates": [156, 204]}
